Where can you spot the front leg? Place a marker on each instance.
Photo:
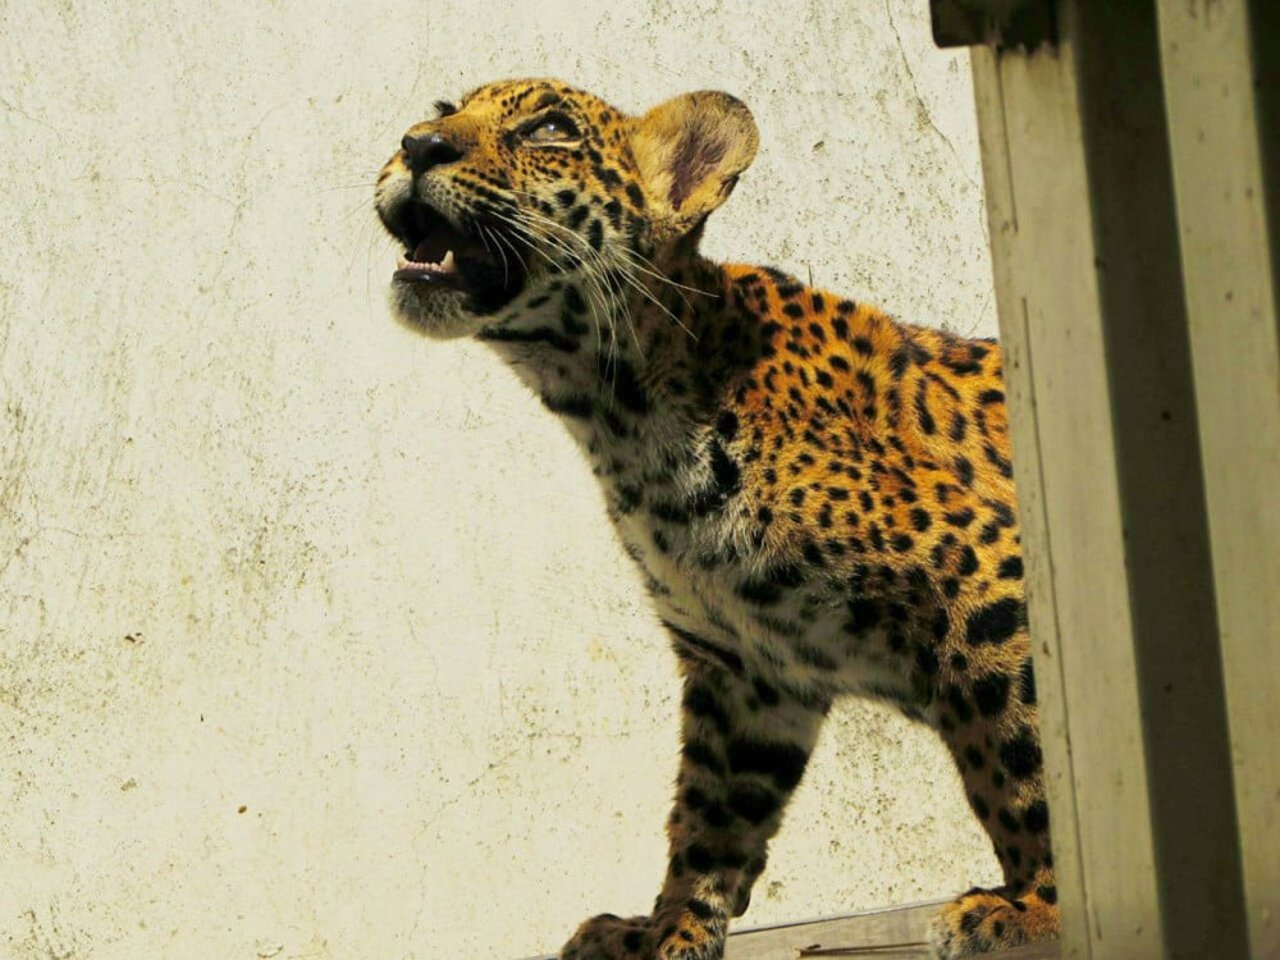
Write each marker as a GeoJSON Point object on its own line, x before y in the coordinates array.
{"type": "Point", "coordinates": [745, 746]}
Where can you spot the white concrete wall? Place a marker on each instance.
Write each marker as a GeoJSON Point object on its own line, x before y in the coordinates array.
{"type": "Point", "coordinates": [313, 640]}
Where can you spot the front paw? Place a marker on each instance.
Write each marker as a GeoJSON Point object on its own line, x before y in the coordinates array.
{"type": "Point", "coordinates": [985, 920]}
{"type": "Point", "coordinates": [608, 937]}
{"type": "Point", "coordinates": [692, 932]}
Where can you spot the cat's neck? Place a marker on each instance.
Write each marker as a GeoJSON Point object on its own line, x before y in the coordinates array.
{"type": "Point", "coordinates": [634, 363]}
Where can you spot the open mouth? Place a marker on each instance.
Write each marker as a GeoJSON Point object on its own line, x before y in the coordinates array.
{"type": "Point", "coordinates": [438, 254]}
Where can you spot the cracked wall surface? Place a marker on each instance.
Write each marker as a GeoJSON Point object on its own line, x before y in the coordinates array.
{"type": "Point", "coordinates": [314, 642]}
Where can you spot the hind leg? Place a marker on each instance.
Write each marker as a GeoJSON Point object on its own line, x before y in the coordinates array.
{"type": "Point", "coordinates": [986, 920]}
{"type": "Point", "coordinates": [989, 720]}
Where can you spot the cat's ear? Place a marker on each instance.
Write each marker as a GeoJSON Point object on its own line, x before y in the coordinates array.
{"type": "Point", "coordinates": [690, 151]}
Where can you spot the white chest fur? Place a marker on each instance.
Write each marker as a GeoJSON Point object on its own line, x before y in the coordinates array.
{"type": "Point", "coordinates": [799, 638]}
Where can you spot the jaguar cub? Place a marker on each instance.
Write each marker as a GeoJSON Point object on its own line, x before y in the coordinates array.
{"type": "Point", "coordinates": [818, 498]}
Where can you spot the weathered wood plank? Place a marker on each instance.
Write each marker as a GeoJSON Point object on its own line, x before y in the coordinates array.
{"type": "Point", "coordinates": [1218, 61]}
{"type": "Point", "coordinates": [896, 933]}
{"type": "Point", "coordinates": [1046, 289]}
{"type": "Point", "coordinates": [900, 925]}
{"type": "Point", "coordinates": [1039, 128]}
{"type": "Point", "coordinates": [1107, 459]}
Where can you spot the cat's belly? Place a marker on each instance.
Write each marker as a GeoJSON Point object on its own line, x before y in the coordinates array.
{"type": "Point", "coordinates": [798, 632]}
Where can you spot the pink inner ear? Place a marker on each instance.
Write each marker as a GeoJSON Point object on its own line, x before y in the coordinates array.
{"type": "Point", "coordinates": [696, 157]}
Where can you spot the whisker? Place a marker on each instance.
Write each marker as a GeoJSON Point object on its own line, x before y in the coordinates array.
{"type": "Point", "coordinates": [608, 305]}
{"type": "Point", "coordinates": [624, 272]}
{"type": "Point", "coordinates": [506, 267]}
{"type": "Point", "coordinates": [596, 269]}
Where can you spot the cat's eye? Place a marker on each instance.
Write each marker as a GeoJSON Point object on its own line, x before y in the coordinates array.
{"type": "Point", "coordinates": [552, 128]}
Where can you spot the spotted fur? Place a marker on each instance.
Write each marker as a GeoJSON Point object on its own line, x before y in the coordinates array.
{"type": "Point", "coordinates": [819, 498]}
